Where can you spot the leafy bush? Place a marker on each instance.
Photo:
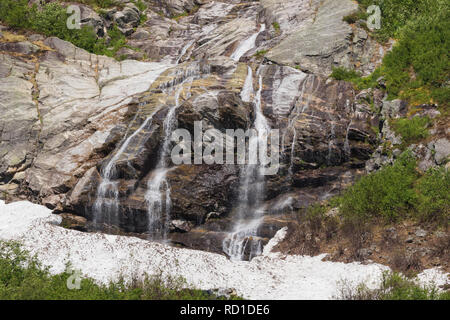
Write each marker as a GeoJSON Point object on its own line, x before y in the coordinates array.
{"type": "Point", "coordinates": [276, 26]}
{"type": "Point", "coordinates": [260, 53]}
{"type": "Point", "coordinates": [140, 4]}
{"type": "Point", "coordinates": [387, 193]}
{"type": "Point", "coordinates": [420, 59]}
{"type": "Point", "coordinates": [341, 73]}
{"type": "Point", "coordinates": [358, 15]}
{"type": "Point", "coordinates": [396, 14]}
{"type": "Point", "coordinates": [51, 20]}
{"type": "Point", "coordinates": [394, 286]}
{"type": "Point", "coordinates": [15, 13]}
{"type": "Point", "coordinates": [412, 130]}
{"type": "Point", "coordinates": [417, 68]}
{"type": "Point", "coordinates": [23, 277]}
{"type": "Point", "coordinates": [396, 192]}
{"type": "Point", "coordinates": [100, 3]}
{"type": "Point", "coordinates": [434, 196]}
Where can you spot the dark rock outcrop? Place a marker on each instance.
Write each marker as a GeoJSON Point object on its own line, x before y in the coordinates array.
{"type": "Point", "coordinates": [75, 113]}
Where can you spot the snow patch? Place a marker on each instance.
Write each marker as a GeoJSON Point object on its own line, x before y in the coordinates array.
{"type": "Point", "coordinates": [107, 257]}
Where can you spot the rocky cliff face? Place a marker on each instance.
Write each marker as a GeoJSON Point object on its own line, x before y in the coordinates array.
{"type": "Point", "coordinates": [86, 134]}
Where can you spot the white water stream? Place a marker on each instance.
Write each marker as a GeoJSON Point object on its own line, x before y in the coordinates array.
{"type": "Point", "coordinates": [158, 189]}
{"type": "Point", "coordinates": [301, 107]}
{"type": "Point", "coordinates": [106, 205]}
{"type": "Point", "coordinates": [246, 45]}
{"type": "Point", "coordinates": [243, 241]}
{"type": "Point", "coordinates": [184, 50]}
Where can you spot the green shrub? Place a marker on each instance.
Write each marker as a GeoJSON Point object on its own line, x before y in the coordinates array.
{"type": "Point", "coordinates": [387, 193]}
{"type": "Point", "coordinates": [420, 58]}
{"type": "Point", "coordinates": [396, 14]}
{"type": "Point", "coordinates": [434, 196]}
{"type": "Point", "coordinates": [15, 13]}
{"type": "Point", "coordinates": [141, 5]}
{"type": "Point", "coordinates": [276, 26]}
{"type": "Point", "coordinates": [340, 73]}
{"type": "Point", "coordinates": [417, 68]}
{"type": "Point", "coordinates": [351, 18]}
{"type": "Point", "coordinates": [51, 20]}
{"type": "Point", "coordinates": [23, 277]}
{"type": "Point", "coordinates": [99, 3]}
{"type": "Point", "coordinates": [358, 15]}
{"type": "Point", "coordinates": [412, 130]}
{"type": "Point", "coordinates": [397, 192]}
{"type": "Point", "coordinates": [394, 286]}
{"type": "Point", "coordinates": [260, 53]}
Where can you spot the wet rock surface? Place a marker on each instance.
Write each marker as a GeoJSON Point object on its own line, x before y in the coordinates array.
{"type": "Point", "coordinates": [318, 39]}
{"type": "Point", "coordinates": [69, 113]}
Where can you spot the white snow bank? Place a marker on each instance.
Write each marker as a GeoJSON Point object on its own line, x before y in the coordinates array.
{"type": "Point", "coordinates": [106, 257]}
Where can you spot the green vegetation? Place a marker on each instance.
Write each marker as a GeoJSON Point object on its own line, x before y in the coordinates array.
{"type": "Point", "coordinates": [99, 3]}
{"type": "Point", "coordinates": [340, 73]}
{"type": "Point", "coordinates": [397, 192]}
{"type": "Point", "coordinates": [23, 277]}
{"type": "Point", "coordinates": [261, 53]}
{"type": "Point", "coordinates": [394, 286]}
{"type": "Point", "coordinates": [417, 69]}
{"type": "Point", "coordinates": [396, 14]}
{"type": "Point", "coordinates": [395, 195]}
{"type": "Point", "coordinates": [344, 74]}
{"type": "Point", "coordinates": [181, 15]}
{"type": "Point", "coordinates": [358, 15]}
{"type": "Point", "coordinates": [412, 130]}
{"type": "Point", "coordinates": [433, 196]}
{"type": "Point", "coordinates": [276, 26]}
{"type": "Point", "coordinates": [142, 6]}
{"type": "Point", "coordinates": [388, 193]}
{"type": "Point", "coordinates": [51, 21]}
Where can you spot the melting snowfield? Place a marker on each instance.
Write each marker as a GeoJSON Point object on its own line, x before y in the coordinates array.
{"type": "Point", "coordinates": [107, 257]}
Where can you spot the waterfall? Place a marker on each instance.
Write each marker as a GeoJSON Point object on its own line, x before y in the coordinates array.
{"type": "Point", "coordinates": [247, 90]}
{"type": "Point", "coordinates": [246, 45]}
{"type": "Point", "coordinates": [106, 205]}
{"type": "Point", "coordinates": [158, 189]}
{"type": "Point", "coordinates": [301, 107]}
{"type": "Point", "coordinates": [184, 50]}
{"type": "Point", "coordinates": [332, 139]}
{"type": "Point", "coordinates": [251, 192]}
{"type": "Point", "coordinates": [347, 143]}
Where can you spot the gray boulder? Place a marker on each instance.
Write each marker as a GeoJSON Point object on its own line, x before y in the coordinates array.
{"type": "Point", "coordinates": [91, 18]}
{"type": "Point", "coordinates": [394, 109]}
{"type": "Point", "coordinates": [442, 150]}
{"type": "Point", "coordinates": [322, 40]}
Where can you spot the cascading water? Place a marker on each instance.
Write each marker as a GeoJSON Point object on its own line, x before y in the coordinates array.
{"type": "Point", "coordinates": [307, 85]}
{"type": "Point", "coordinates": [106, 205]}
{"type": "Point", "coordinates": [332, 138]}
{"type": "Point", "coordinates": [158, 189]}
{"type": "Point", "coordinates": [184, 50]}
{"type": "Point", "coordinates": [347, 143]}
{"type": "Point", "coordinates": [249, 213]}
{"type": "Point", "coordinates": [247, 90]}
{"type": "Point", "coordinates": [247, 44]}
